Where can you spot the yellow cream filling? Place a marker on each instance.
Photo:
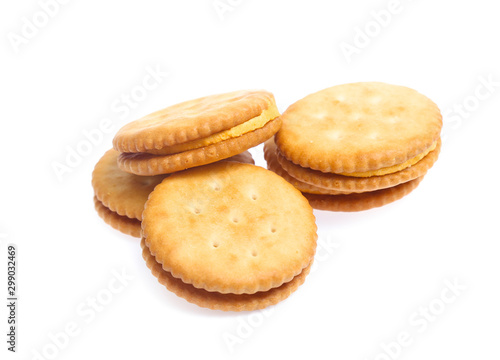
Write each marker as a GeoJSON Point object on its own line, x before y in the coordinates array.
{"type": "Point", "coordinates": [394, 168]}
{"type": "Point", "coordinates": [246, 127]}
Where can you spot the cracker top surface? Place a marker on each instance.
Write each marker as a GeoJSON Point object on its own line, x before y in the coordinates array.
{"type": "Point", "coordinates": [230, 228]}
{"type": "Point", "coordinates": [358, 127]}
{"type": "Point", "coordinates": [192, 120]}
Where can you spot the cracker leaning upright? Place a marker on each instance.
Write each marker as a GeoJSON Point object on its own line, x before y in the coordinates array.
{"type": "Point", "coordinates": [197, 132]}
{"type": "Point", "coordinates": [215, 231]}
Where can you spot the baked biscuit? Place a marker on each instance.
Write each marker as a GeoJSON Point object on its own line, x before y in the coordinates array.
{"type": "Point", "coordinates": [213, 229]}
{"type": "Point", "coordinates": [197, 132]}
{"type": "Point", "coordinates": [359, 129]}
{"type": "Point", "coordinates": [344, 145]}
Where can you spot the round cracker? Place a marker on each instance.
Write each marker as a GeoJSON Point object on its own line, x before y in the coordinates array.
{"type": "Point", "coordinates": [123, 224]}
{"type": "Point", "coordinates": [218, 301]}
{"type": "Point", "coordinates": [358, 127]}
{"type": "Point", "coordinates": [147, 164]}
{"type": "Point", "coordinates": [191, 120]}
{"type": "Point", "coordinates": [357, 184]}
{"type": "Point", "coordinates": [125, 193]}
{"type": "Point", "coordinates": [230, 227]}
{"type": "Point", "coordinates": [362, 201]}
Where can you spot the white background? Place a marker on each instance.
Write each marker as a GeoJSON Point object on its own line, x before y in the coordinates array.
{"type": "Point", "coordinates": [374, 270]}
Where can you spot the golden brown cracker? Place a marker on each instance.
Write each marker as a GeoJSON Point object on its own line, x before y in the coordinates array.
{"type": "Point", "coordinates": [191, 120]}
{"type": "Point", "coordinates": [358, 127]}
{"type": "Point", "coordinates": [230, 227]}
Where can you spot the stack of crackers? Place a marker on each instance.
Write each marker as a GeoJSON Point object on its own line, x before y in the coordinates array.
{"type": "Point", "coordinates": [225, 234]}
{"type": "Point", "coordinates": [197, 132]}
{"type": "Point", "coordinates": [211, 225]}
{"type": "Point", "coordinates": [356, 146]}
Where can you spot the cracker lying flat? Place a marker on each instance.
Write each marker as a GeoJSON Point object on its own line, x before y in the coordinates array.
{"type": "Point", "coordinates": [230, 227]}
{"type": "Point", "coordinates": [359, 127]}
